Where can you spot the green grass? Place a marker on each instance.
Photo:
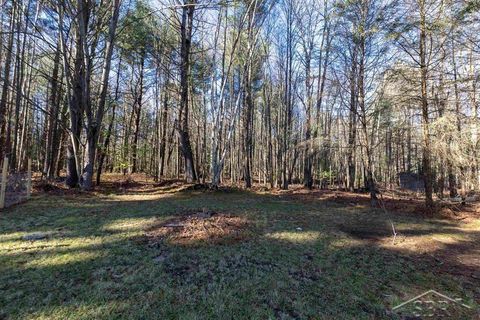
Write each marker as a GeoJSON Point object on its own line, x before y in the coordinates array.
{"type": "Point", "coordinates": [93, 265]}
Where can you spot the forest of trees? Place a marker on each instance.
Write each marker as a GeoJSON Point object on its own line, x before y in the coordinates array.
{"type": "Point", "coordinates": [318, 92]}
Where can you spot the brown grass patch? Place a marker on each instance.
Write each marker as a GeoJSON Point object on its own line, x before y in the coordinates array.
{"type": "Point", "coordinates": [205, 227]}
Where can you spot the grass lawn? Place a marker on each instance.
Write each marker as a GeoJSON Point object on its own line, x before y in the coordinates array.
{"type": "Point", "coordinates": [299, 259]}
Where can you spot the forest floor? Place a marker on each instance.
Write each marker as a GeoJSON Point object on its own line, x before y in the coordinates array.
{"type": "Point", "coordinates": [142, 250]}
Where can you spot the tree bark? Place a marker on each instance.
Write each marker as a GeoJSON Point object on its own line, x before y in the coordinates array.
{"type": "Point", "coordinates": [137, 110]}
{"type": "Point", "coordinates": [352, 120]}
{"type": "Point", "coordinates": [427, 167]}
{"type": "Point", "coordinates": [95, 121]}
{"type": "Point", "coordinates": [6, 84]}
{"type": "Point", "coordinates": [108, 135]}
{"type": "Point", "coordinates": [186, 38]}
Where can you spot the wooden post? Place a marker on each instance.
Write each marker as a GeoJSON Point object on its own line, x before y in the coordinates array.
{"type": "Point", "coordinates": [3, 186]}
{"type": "Point", "coordinates": [29, 178]}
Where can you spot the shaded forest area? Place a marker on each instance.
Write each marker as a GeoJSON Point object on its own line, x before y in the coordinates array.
{"type": "Point", "coordinates": [351, 94]}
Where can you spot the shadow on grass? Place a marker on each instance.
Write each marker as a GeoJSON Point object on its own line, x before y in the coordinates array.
{"type": "Point", "coordinates": [308, 260]}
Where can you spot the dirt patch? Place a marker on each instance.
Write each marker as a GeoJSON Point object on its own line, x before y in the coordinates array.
{"type": "Point", "coordinates": [129, 183]}
{"type": "Point", "coordinates": [169, 182]}
{"type": "Point", "coordinates": [207, 187]}
{"type": "Point", "coordinates": [394, 201]}
{"type": "Point", "coordinates": [459, 211]}
{"type": "Point", "coordinates": [200, 228]}
{"type": "Point", "coordinates": [366, 233]}
{"type": "Point", "coordinates": [197, 187]}
{"type": "Point", "coordinates": [50, 187]}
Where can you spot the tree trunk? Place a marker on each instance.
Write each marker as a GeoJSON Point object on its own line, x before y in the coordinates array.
{"type": "Point", "coordinates": [137, 109]}
{"type": "Point", "coordinates": [248, 129]}
{"type": "Point", "coordinates": [427, 167]}
{"type": "Point", "coordinates": [352, 121]}
{"type": "Point", "coordinates": [52, 116]}
{"type": "Point", "coordinates": [6, 85]}
{"type": "Point", "coordinates": [183, 132]}
{"type": "Point", "coordinates": [95, 121]}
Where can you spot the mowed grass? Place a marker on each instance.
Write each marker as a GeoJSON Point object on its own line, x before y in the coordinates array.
{"type": "Point", "coordinates": [297, 263]}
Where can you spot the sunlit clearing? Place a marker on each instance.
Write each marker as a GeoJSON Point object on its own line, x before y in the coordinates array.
{"type": "Point", "coordinates": [62, 259]}
{"type": "Point", "coordinates": [85, 310]}
{"type": "Point", "coordinates": [295, 236]}
{"type": "Point", "coordinates": [7, 237]}
{"type": "Point", "coordinates": [141, 197]}
{"type": "Point", "coordinates": [129, 224]}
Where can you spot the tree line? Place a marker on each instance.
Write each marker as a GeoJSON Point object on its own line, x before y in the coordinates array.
{"type": "Point", "coordinates": [319, 92]}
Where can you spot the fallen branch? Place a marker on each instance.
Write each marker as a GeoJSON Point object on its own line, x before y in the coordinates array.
{"type": "Point", "coordinates": [394, 232]}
